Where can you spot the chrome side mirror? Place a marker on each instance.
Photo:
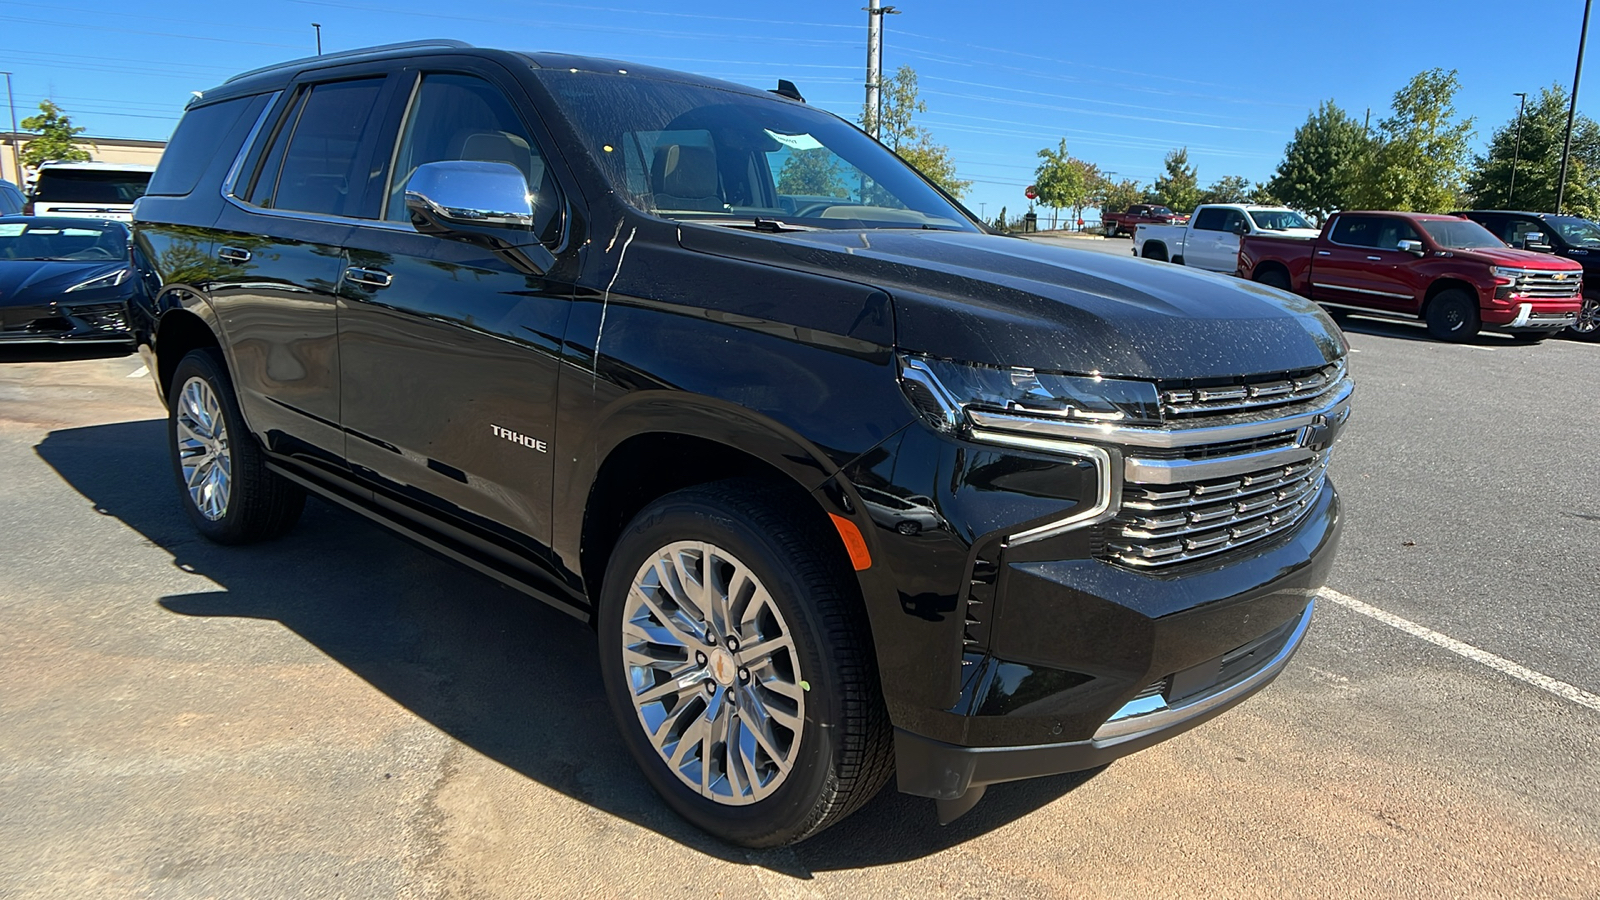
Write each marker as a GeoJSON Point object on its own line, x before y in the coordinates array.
{"type": "Point", "coordinates": [484, 203]}
{"type": "Point", "coordinates": [1534, 240]}
{"type": "Point", "coordinates": [465, 192]}
{"type": "Point", "coordinates": [1409, 247]}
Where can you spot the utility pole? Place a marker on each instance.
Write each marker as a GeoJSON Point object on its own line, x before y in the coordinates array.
{"type": "Point", "coordinates": [16, 155]}
{"type": "Point", "coordinates": [318, 27]}
{"type": "Point", "coordinates": [875, 16]}
{"type": "Point", "coordinates": [1516, 154]}
{"type": "Point", "coordinates": [1572, 111]}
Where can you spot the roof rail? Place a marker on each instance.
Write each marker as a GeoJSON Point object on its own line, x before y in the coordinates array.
{"type": "Point", "coordinates": [435, 44]}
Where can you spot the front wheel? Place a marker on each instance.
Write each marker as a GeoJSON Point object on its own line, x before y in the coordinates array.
{"type": "Point", "coordinates": [739, 665]}
{"type": "Point", "coordinates": [1453, 316]}
{"type": "Point", "coordinates": [228, 492]}
{"type": "Point", "coordinates": [1274, 277]}
{"type": "Point", "coordinates": [1587, 328]}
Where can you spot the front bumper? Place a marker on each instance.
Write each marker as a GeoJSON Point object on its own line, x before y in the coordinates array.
{"type": "Point", "coordinates": [1525, 315]}
{"type": "Point", "coordinates": [948, 772]}
{"type": "Point", "coordinates": [60, 324]}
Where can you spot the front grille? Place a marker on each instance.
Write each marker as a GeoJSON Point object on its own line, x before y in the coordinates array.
{"type": "Point", "coordinates": [1260, 392]}
{"type": "Point", "coordinates": [1170, 524]}
{"type": "Point", "coordinates": [1548, 285]}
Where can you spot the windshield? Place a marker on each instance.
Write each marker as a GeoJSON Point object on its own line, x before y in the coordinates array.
{"type": "Point", "coordinates": [692, 152]}
{"type": "Point", "coordinates": [1460, 234]}
{"type": "Point", "coordinates": [1581, 232]}
{"type": "Point", "coordinates": [63, 240]}
{"type": "Point", "coordinates": [1161, 211]}
{"type": "Point", "coordinates": [1278, 219]}
{"type": "Point", "coordinates": [90, 186]}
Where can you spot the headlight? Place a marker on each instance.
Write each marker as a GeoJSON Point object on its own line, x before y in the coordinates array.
{"type": "Point", "coordinates": [1505, 274]}
{"type": "Point", "coordinates": [112, 279]}
{"type": "Point", "coordinates": [942, 391]}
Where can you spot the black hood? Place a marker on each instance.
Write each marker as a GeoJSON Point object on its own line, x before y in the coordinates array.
{"type": "Point", "coordinates": [1009, 302]}
{"type": "Point", "coordinates": [39, 282]}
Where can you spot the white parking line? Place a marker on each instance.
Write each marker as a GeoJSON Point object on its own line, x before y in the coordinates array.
{"type": "Point", "coordinates": [1521, 673]}
{"type": "Point", "coordinates": [138, 373]}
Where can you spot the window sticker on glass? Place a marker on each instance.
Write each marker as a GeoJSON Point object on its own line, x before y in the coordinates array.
{"type": "Point", "coordinates": [12, 229]}
{"type": "Point", "coordinates": [794, 141]}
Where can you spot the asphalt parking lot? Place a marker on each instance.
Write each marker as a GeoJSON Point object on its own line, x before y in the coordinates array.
{"type": "Point", "coordinates": [337, 714]}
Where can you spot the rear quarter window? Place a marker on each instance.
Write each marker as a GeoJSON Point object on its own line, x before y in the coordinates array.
{"type": "Point", "coordinates": [205, 134]}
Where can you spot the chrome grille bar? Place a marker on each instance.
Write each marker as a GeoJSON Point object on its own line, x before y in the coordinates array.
{"type": "Point", "coordinates": [1254, 394]}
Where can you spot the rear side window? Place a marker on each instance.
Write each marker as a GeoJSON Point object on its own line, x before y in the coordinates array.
{"type": "Point", "coordinates": [316, 163]}
{"type": "Point", "coordinates": [196, 143]}
{"type": "Point", "coordinates": [1212, 219]}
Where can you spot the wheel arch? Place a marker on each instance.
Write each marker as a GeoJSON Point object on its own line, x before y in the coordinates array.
{"type": "Point", "coordinates": [181, 328]}
{"type": "Point", "coordinates": [1270, 265]}
{"type": "Point", "coordinates": [1440, 285]}
{"type": "Point", "coordinates": [656, 445]}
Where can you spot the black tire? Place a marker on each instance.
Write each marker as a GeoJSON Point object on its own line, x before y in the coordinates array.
{"type": "Point", "coordinates": [1588, 327]}
{"type": "Point", "coordinates": [843, 755]}
{"type": "Point", "coordinates": [1452, 315]}
{"type": "Point", "coordinates": [257, 504]}
{"type": "Point", "coordinates": [1156, 252]}
{"type": "Point", "coordinates": [1273, 277]}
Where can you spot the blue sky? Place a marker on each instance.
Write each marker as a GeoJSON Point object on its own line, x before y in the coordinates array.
{"type": "Point", "coordinates": [1122, 83]}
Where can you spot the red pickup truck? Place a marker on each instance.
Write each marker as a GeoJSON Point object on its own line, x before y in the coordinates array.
{"type": "Point", "coordinates": [1450, 272]}
{"type": "Point", "coordinates": [1138, 214]}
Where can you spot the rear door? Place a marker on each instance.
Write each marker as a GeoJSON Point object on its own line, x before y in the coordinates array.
{"type": "Point", "coordinates": [1360, 265]}
{"type": "Point", "coordinates": [279, 248]}
{"type": "Point", "coordinates": [450, 353]}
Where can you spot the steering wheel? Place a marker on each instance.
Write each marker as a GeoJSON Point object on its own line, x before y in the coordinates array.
{"type": "Point", "coordinates": [93, 253]}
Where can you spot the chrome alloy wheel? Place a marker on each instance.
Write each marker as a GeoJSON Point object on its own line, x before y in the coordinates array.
{"type": "Point", "coordinates": [713, 672]}
{"type": "Point", "coordinates": [203, 449]}
{"type": "Point", "coordinates": [1588, 317]}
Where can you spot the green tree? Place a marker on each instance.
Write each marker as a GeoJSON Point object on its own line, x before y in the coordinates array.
{"type": "Point", "coordinates": [54, 141]}
{"type": "Point", "coordinates": [1322, 164]}
{"type": "Point", "coordinates": [1538, 163]}
{"type": "Point", "coordinates": [1228, 189]}
{"type": "Point", "coordinates": [1118, 196]}
{"type": "Point", "coordinates": [1000, 223]}
{"type": "Point", "coordinates": [1261, 195]}
{"type": "Point", "coordinates": [1419, 158]}
{"type": "Point", "coordinates": [1058, 181]}
{"type": "Point", "coordinates": [898, 130]}
{"type": "Point", "coordinates": [812, 173]}
{"type": "Point", "coordinates": [1179, 186]}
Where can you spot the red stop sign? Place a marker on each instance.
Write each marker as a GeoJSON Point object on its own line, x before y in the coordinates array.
{"type": "Point", "coordinates": [1032, 193]}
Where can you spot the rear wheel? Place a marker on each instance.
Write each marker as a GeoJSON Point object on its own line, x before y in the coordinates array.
{"type": "Point", "coordinates": [738, 664]}
{"type": "Point", "coordinates": [1273, 277]}
{"type": "Point", "coordinates": [1587, 328]}
{"type": "Point", "coordinates": [1155, 251]}
{"type": "Point", "coordinates": [228, 492]}
{"type": "Point", "coordinates": [1453, 316]}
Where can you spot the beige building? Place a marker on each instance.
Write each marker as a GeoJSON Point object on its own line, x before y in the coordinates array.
{"type": "Point", "coordinates": [112, 150]}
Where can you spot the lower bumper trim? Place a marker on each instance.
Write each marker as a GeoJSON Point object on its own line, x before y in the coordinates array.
{"type": "Point", "coordinates": [948, 772]}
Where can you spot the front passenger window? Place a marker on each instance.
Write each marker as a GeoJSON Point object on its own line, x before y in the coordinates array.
{"type": "Point", "coordinates": [461, 117]}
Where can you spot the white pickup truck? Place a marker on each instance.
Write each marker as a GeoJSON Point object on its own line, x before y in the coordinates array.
{"type": "Point", "coordinates": [1210, 239]}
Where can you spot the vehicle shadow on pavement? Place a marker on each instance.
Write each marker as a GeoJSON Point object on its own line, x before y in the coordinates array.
{"type": "Point", "coordinates": [58, 353]}
{"type": "Point", "coordinates": [505, 675]}
{"type": "Point", "coordinates": [1415, 331]}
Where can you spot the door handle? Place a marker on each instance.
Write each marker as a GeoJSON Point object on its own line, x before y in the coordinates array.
{"type": "Point", "coordinates": [1324, 253]}
{"type": "Point", "coordinates": [233, 254]}
{"type": "Point", "coordinates": [375, 278]}
{"type": "Point", "coordinates": [1375, 258]}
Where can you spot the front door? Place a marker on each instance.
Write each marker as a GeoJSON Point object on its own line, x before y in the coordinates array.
{"type": "Point", "coordinates": [449, 352]}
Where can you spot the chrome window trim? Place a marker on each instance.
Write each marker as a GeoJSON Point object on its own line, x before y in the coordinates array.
{"type": "Point", "coordinates": [249, 144]}
{"type": "Point", "coordinates": [1144, 717]}
{"type": "Point", "coordinates": [1165, 439]}
{"type": "Point", "coordinates": [1106, 499]}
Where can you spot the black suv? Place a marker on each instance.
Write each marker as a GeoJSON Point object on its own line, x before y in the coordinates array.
{"type": "Point", "coordinates": [848, 487]}
{"type": "Point", "coordinates": [1575, 238]}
